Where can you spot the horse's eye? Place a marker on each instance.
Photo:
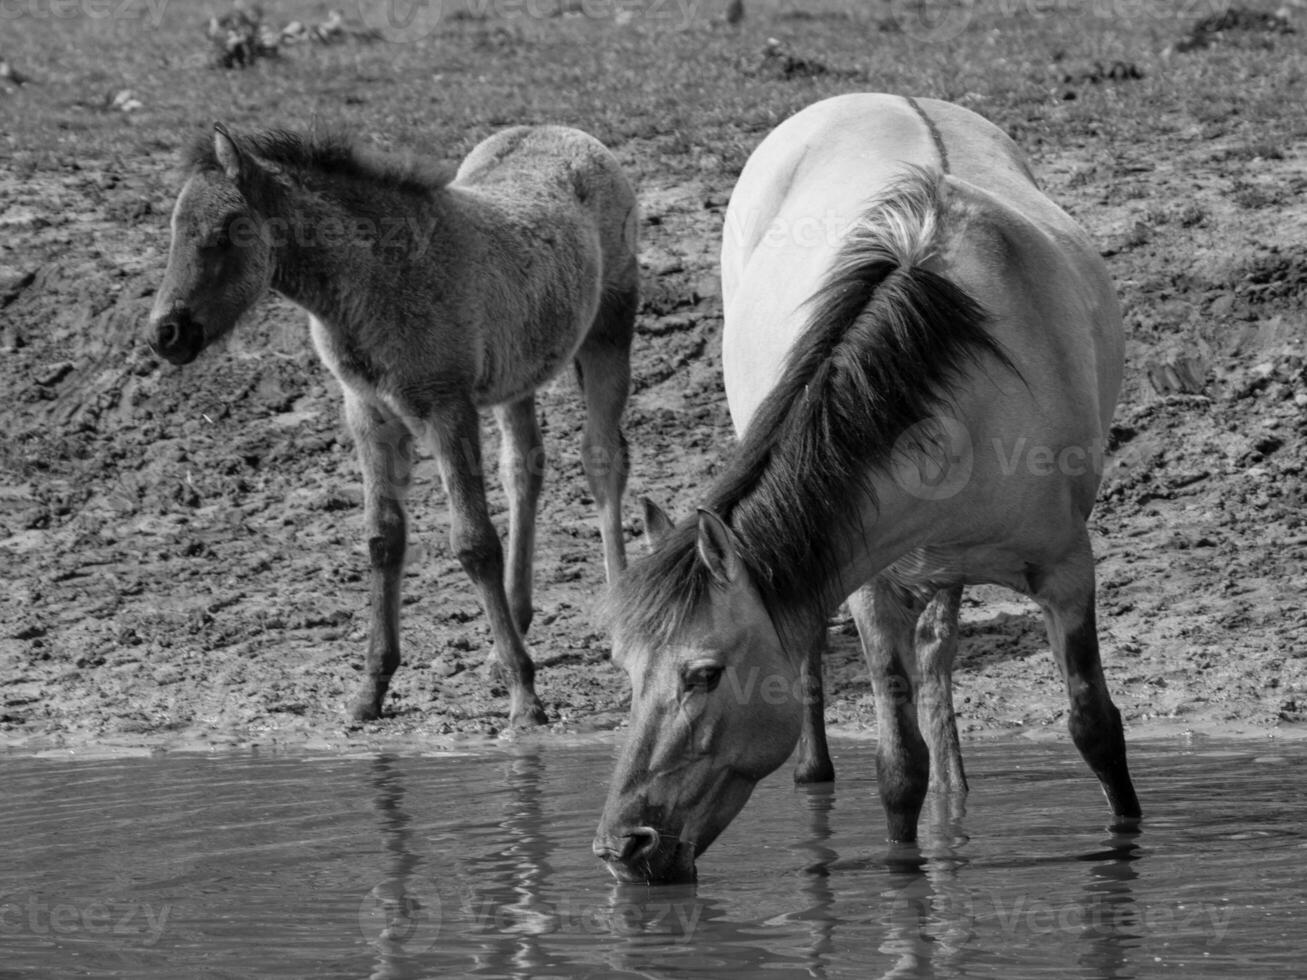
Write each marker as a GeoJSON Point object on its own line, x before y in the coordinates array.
{"type": "Point", "coordinates": [702, 676]}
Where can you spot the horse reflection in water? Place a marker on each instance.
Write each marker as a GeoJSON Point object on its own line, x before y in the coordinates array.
{"type": "Point", "coordinates": [498, 890]}
{"type": "Point", "coordinates": [396, 914]}
{"type": "Point", "coordinates": [898, 388]}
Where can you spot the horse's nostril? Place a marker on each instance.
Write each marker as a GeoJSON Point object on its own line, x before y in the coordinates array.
{"type": "Point", "coordinates": [168, 334]}
{"type": "Point", "coordinates": [639, 844]}
{"type": "Point", "coordinates": [177, 338]}
{"type": "Point", "coordinates": [628, 848]}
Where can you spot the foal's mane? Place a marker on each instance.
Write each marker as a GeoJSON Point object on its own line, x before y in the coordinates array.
{"type": "Point", "coordinates": [329, 153]}
{"type": "Point", "coordinates": [884, 341]}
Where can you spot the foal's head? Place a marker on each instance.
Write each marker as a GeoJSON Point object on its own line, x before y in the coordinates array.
{"type": "Point", "coordinates": [220, 263]}
{"type": "Point", "coordinates": [716, 702]}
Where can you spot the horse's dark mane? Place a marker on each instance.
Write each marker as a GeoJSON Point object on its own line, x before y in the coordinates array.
{"type": "Point", "coordinates": [329, 153]}
{"type": "Point", "coordinates": [884, 341]}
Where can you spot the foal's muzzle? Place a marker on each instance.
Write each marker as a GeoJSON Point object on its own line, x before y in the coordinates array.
{"type": "Point", "coordinates": [178, 338]}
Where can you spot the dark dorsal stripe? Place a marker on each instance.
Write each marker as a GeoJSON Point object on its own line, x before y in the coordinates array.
{"type": "Point", "coordinates": [935, 136]}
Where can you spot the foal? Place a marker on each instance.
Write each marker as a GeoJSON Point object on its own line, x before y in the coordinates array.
{"type": "Point", "coordinates": [429, 297]}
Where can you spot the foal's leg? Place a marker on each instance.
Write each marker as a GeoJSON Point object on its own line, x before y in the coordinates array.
{"type": "Point", "coordinates": [384, 448]}
{"type": "Point", "coordinates": [814, 765]}
{"type": "Point", "coordinates": [884, 624]}
{"type": "Point", "coordinates": [456, 444]}
{"type": "Point", "coordinates": [603, 369]}
{"type": "Point", "coordinates": [937, 643]}
{"type": "Point", "coordinates": [522, 471]}
{"type": "Point", "coordinates": [1066, 595]}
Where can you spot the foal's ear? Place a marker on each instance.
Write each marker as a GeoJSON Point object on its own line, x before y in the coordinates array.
{"type": "Point", "coordinates": [227, 152]}
{"type": "Point", "coordinates": [718, 549]}
{"type": "Point", "coordinates": [657, 525]}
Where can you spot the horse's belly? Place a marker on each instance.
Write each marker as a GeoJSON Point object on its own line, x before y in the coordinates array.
{"type": "Point", "coordinates": [519, 361]}
{"type": "Point", "coordinates": [925, 571]}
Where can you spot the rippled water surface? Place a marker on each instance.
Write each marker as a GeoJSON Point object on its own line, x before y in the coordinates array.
{"type": "Point", "coordinates": [480, 865]}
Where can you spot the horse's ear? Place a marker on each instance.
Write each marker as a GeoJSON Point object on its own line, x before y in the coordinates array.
{"type": "Point", "coordinates": [657, 525]}
{"type": "Point", "coordinates": [718, 549]}
{"type": "Point", "coordinates": [228, 154]}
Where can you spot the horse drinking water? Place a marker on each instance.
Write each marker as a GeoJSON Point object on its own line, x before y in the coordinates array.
{"type": "Point", "coordinates": [922, 353]}
{"type": "Point", "coordinates": [429, 298]}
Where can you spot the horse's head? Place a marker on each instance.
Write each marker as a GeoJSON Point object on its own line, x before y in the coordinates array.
{"type": "Point", "coordinates": [220, 262]}
{"type": "Point", "coordinates": [716, 705]}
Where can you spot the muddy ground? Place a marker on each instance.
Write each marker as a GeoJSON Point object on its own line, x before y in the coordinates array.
{"type": "Point", "coordinates": [183, 547]}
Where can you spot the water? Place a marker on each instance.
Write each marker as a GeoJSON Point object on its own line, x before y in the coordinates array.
{"type": "Point", "coordinates": [479, 865]}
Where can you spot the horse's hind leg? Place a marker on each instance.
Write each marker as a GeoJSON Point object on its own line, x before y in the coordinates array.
{"type": "Point", "coordinates": [814, 765]}
{"type": "Point", "coordinates": [1066, 595]}
{"type": "Point", "coordinates": [603, 369]}
{"type": "Point", "coordinates": [884, 622]}
{"type": "Point", "coordinates": [384, 447]}
{"type": "Point", "coordinates": [456, 444]}
{"type": "Point", "coordinates": [937, 643]}
{"type": "Point", "coordinates": [522, 470]}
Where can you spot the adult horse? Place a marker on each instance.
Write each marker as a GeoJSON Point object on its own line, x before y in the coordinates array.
{"type": "Point", "coordinates": [923, 353]}
{"type": "Point", "coordinates": [429, 298]}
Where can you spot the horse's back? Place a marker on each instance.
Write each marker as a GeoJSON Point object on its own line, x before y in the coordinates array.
{"type": "Point", "coordinates": [557, 174]}
{"type": "Point", "coordinates": [1050, 303]}
{"type": "Point", "coordinates": [824, 162]}
{"type": "Point", "coordinates": [534, 159]}
{"type": "Point", "coordinates": [801, 191]}
{"type": "Point", "coordinates": [812, 178]}
{"type": "Point", "coordinates": [1051, 306]}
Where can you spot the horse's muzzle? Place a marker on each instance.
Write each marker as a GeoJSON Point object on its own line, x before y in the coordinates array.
{"type": "Point", "coordinates": [178, 338]}
{"type": "Point", "coordinates": [639, 855]}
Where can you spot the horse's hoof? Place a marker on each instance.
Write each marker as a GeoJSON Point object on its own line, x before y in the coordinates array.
{"type": "Point", "coordinates": [807, 774]}
{"type": "Point", "coordinates": [529, 717]}
{"type": "Point", "coordinates": [364, 708]}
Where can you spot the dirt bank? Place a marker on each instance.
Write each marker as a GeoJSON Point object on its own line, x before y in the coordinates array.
{"type": "Point", "coordinates": [183, 547]}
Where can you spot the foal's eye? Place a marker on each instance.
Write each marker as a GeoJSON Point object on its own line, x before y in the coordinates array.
{"type": "Point", "coordinates": [704, 677]}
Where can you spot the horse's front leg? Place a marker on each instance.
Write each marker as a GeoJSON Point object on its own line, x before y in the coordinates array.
{"type": "Point", "coordinates": [455, 438]}
{"type": "Point", "coordinates": [937, 644]}
{"type": "Point", "coordinates": [384, 447]}
{"type": "Point", "coordinates": [1066, 595]}
{"type": "Point", "coordinates": [814, 765]}
{"type": "Point", "coordinates": [522, 471]}
{"type": "Point", "coordinates": [884, 624]}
